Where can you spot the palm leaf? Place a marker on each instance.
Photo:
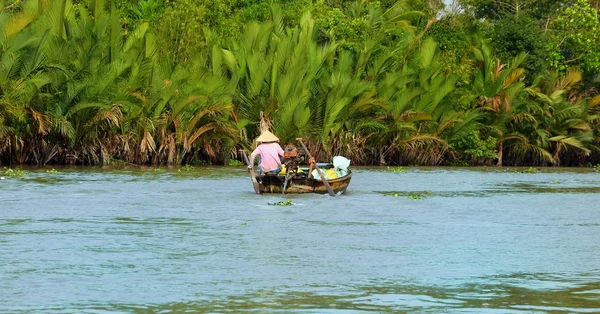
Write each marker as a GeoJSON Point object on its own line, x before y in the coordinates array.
{"type": "Point", "coordinates": [571, 141]}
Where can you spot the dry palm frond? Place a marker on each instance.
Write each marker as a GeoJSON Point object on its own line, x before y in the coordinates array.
{"type": "Point", "coordinates": [172, 146]}
{"type": "Point", "coordinates": [570, 141]}
{"type": "Point", "coordinates": [209, 149]}
{"type": "Point", "coordinates": [147, 143]}
{"type": "Point", "coordinates": [413, 116]}
{"type": "Point", "coordinates": [522, 117]}
{"type": "Point", "coordinates": [42, 121]}
{"type": "Point", "coordinates": [424, 149]}
{"type": "Point", "coordinates": [265, 123]}
{"type": "Point", "coordinates": [498, 69]}
{"type": "Point", "coordinates": [595, 101]}
{"type": "Point", "coordinates": [538, 151]}
{"type": "Point", "coordinates": [569, 81]}
{"type": "Point", "coordinates": [112, 115]}
{"type": "Point", "coordinates": [583, 126]}
{"type": "Point", "coordinates": [201, 130]}
{"type": "Point", "coordinates": [514, 76]}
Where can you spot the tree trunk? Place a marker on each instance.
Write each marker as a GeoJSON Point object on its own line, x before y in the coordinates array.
{"type": "Point", "coordinates": [382, 154]}
{"type": "Point", "coordinates": [500, 148]}
{"type": "Point", "coordinates": [556, 160]}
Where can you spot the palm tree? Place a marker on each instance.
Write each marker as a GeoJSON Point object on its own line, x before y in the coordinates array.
{"type": "Point", "coordinates": [499, 86]}
{"type": "Point", "coordinates": [22, 81]}
{"type": "Point", "coordinates": [414, 106]}
{"type": "Point", "coordinates": [566, 118]}
{"type": "Point", "coordinates": [275, 73]}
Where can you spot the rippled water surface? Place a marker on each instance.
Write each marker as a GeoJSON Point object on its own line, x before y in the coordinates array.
{"type": "Point", "coordinates": [424, 240]}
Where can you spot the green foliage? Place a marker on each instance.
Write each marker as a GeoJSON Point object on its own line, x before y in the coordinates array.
{"type": "Point", "coordinates": [337, 26]}
{"type": "Point", "coordinates": [180, 30]}
{"type": "Point", "coordinates": [578, 30]}
{"type": "Point", "coordinates": [138, 11]}
{"type": "Point", "coordinates": [597, 168]}
{"type": "Point", "coordinates": [450, 32]}
{"type": "Point", "coordinates": [513, 35]}
{"type": "Point", "coordinates": [52, 171]}
{"type": "Point", "coordinates": [498, 9]}
{"type": "Point", "coordinates": [476, 147]}
{"type": "Point", "coordinates": [235, 162]}
{"type": "Point", "coordinates": [253, 10]}
{"type": "Point", "coordinates": [555, 58]}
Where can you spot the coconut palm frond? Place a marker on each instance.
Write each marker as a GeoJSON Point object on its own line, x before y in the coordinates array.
{"type": "Point", "coordinates": [570, 141]}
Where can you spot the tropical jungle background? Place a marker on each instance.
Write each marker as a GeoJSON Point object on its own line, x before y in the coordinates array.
{"type": "Point", "coordinates": [409, 82]}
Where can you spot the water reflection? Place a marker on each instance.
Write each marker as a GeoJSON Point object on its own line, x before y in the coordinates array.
{"type": "Point", "coordinates": [517, 293]}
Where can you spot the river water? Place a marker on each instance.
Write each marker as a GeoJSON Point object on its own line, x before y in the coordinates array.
{"type": "Point", "coordinates": [423, 240]}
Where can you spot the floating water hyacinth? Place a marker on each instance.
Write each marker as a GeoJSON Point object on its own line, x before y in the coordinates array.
{"type": "Point", "coordinates": [410, 195]}
{"type": "Point", "coordinates": [188, 167]}
{"type": "Point", "coordinates": [15, 173]}
{"type": "Point", "coordinates": [396, 169]}
{"type": "Point", "coordinates": [286, 203]}
{"type": "Point", "coordinates": [234, 162]}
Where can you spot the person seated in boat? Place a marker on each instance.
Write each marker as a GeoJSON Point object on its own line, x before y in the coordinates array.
{"type": "Point", "coordinates": [270, 154]}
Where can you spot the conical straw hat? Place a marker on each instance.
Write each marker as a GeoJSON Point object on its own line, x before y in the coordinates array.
{"type": "Point", "coordinates": [266, 137]}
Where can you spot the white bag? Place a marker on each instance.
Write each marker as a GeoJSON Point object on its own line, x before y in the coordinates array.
{"type": "Point", "coordinates": [316, 176]}
{"type": "Point", "coordinates": [341, 163]}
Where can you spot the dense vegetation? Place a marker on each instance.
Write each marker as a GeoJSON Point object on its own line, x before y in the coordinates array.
{"type": "Point", "coordinates": [506, 82]}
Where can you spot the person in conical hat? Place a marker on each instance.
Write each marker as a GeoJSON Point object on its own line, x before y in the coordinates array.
{"type": "Point", "coordinates": [270, 153]}
{"type": "Point", "coordinates": [267, 137]}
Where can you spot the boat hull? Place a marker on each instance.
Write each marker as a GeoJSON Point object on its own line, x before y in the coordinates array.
{"type": "Point", "coordinates": [274, 184]}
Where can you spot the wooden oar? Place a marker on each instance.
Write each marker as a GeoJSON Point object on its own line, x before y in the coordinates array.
{"type": "Point", "coordinates": [325, 181]}
{"type": "Point", "coordinates": [251, 170]}
{"type": "Point", "coordinates": [287, 177]}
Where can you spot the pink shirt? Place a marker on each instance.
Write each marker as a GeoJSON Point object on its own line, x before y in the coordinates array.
{"type": "Point", "coordinates": [269, 156]}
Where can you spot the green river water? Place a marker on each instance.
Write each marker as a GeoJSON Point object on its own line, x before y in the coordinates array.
{"type": "Point", "coordinates": [425, 240]}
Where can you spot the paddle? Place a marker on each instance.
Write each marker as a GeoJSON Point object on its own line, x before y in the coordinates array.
{"type": "Point", "coordinates": [329, 189]}
{"type": "Point", "coordinates": [251, 170]}
{"type": "Point", "coordinates": [287, 176]}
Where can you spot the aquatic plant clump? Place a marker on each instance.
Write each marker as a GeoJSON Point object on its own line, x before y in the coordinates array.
{"type": "Point", "coordinates": [281, 203]}
{"type": "Point", "coordinates": [14, 173]}
{"type": "Point", "coordinates": [235, 162]}
{"type": "Point", "coordinates": [531, 170]}
{"type": "Point", "coordinates": [418, 196]}
{"type": "Point", "coordinates": [396, 169]}
{"type": "Point", "coordinates": [409, 195]}
{"type": "Point", "coordinates": [528, 170]}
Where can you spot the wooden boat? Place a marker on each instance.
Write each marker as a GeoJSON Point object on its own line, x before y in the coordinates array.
{"type": "Point", "coordinates": [298, 181]}
{"type": "Point", "coordinates": [270, 183]}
